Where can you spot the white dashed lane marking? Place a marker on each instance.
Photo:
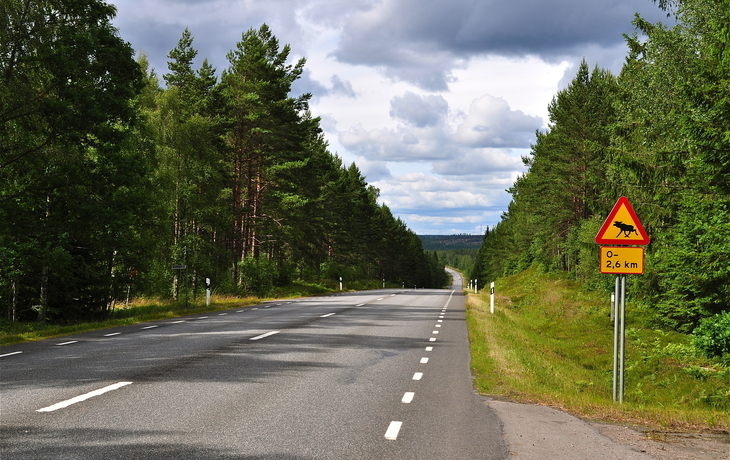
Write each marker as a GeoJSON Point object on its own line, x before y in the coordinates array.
{"type": "Point", "coordinates": [259, 337]}
{"type": "Point", "coordinates": [83, 397]}
{"type": "Point", "coordinates": [418, 376]}
{"type": "Point", "coordinates": [11, 354]}
{"type": "Point", "coordinates": [392, 433]}
{"type": "Point", "coordinates": [67, 343]}
{"type": "Point", "coordinates": [424, 360]}
{"type": "Point", "coordinates": [408, 397]}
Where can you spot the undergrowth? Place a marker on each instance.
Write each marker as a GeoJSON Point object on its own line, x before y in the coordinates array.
{"type": "Point", "coordinates": [550, 341]}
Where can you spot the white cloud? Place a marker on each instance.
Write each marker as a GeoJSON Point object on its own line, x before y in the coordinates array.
{"type": "Point", "coordinates": [491, 123]}
{"type": "Point", "coordinates": [435, 101]}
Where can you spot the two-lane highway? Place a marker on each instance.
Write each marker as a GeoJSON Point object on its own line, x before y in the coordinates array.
{"type": "Point", "coordinates": [379, 374]}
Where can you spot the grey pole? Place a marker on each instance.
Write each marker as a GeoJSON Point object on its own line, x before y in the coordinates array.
{"type": "Point", "coordinates": [623, 336]}
{"type": "Point", "coordinates": [615, 343]}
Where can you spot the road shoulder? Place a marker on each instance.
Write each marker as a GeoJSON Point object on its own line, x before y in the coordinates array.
{"type": "Point", "coordinates": [537, 432]}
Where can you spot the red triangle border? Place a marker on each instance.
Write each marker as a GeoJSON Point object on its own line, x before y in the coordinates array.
{"type": "Point", "coordinates": [607, 224]}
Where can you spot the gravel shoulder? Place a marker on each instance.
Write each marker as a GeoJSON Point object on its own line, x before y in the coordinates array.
{"type": "Point", "coordinates": [538, 433]}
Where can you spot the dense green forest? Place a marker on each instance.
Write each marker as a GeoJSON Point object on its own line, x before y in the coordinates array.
{"type": "Point", "coordinates": [657, 133]}
{"type": "Point", "coordinates": [108, 178]}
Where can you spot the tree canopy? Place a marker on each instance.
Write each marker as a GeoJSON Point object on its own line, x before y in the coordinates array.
{"type": "Point", "coordinates": [659, 134]}
{"type": "Point", "coordinates": [108, 179]}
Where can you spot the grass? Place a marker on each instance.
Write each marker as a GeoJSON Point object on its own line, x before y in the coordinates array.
{"type": "Point", "coordinates": [550, 342]}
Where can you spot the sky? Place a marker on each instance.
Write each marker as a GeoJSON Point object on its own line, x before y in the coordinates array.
{"type": "Point", "coordinates": [436, 101]}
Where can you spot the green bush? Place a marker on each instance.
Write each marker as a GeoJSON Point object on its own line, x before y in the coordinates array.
{"type": "Point", "coordinates": [257, 275]}
{"type": "Point", "coordinates": [712, 336]}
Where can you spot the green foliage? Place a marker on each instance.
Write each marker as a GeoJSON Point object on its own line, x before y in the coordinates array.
{"type": "Point", "coordinates": [107, 180]}
{"type": "Point", "coordinates": [551, 339]}
{"type": "Point", "coordinates": [712, 336]}
{"type": "Point", "coordinates": [657, 134]}
{"type": "Point", "coordinates": [257, 275]}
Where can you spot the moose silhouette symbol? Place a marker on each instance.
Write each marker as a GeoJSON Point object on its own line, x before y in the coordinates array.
{"type": "Point", "coordinates": [626, 229]}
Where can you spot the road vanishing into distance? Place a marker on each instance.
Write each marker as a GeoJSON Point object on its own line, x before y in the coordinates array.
{"type": "Point", "coordinates": [367, 375]}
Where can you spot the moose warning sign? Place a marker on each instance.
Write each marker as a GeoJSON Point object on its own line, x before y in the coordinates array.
{"type": "Point", "coordinates": [622, 226]}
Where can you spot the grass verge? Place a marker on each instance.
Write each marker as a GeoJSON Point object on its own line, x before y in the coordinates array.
{"type": "Point", "coordinates": [550, 342]}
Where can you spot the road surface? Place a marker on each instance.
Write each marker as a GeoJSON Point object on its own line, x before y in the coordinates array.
{"type": "Point", "coordinates": [368, 375]}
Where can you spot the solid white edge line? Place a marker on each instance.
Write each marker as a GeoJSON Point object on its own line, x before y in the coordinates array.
{"type": "Point", "coordinates": [408, 397]}
{"type": "Point", "coordinates": [67, 343]}
{"type": "Point", "coordinates": [417, 376]}
{"type": "Point", "coordinates": [83, 397]}
{"type": "Point", "coordinates": [259, 337]}
{"type": "Point", "coordinates": [327, 315]}
{"type": "Point", "coordinates": [11, 354]}
{"type": "Point", "coordinates": [392, 433]}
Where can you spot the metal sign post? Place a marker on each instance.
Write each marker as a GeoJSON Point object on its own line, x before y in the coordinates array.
{"type": "Point", "coordinates": [620, 261]}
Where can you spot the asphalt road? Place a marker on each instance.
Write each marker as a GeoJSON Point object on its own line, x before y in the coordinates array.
{"type": "Point", "coordinates": [378, 374]}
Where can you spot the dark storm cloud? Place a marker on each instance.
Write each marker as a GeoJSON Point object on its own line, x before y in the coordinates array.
{"type": "Point", "coordinates": [421, 41]}
{"type": "Point", "coordinates": [155, 26]}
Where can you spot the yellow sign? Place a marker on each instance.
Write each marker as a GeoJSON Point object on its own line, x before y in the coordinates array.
{"type": "Point", "coordinates": [622, 226]}
{"type": "Point", "coordinates": [622, 260]}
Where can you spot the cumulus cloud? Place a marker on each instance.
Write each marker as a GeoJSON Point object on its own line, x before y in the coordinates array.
{"type": "Point", "coordinates": [481, 161]}
{"type": "Point", "coordinates": [491, 123]}
{"type": "Point", "coordinates": [401, 84]}
{"type": "Point", "coordinates": [400, 144]}
{"type": "Point", "coordinates": [420, 111]}
{"type": "Point", "coordinates": [425, 134]}
{"type": "Point", "coordinates": [437, 205]}
{"type": "Point", "coordinates": [342, 88]}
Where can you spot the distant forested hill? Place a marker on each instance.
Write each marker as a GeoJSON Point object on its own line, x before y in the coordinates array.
{"type": "Point", "coordinates": [450, 242]}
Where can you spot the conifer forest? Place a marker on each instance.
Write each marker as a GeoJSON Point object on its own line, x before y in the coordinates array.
{"type": "Point", "coordinates": [657, 133]}
{"type": "Point", "coordinates": [110, 175]}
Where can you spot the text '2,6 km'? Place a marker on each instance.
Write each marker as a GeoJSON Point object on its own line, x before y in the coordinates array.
{"type": "Point", "coordinates": [622, 260]}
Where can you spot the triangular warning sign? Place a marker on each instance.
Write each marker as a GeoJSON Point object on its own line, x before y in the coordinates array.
{"type": "Point", "coordinates": [622, 226]}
